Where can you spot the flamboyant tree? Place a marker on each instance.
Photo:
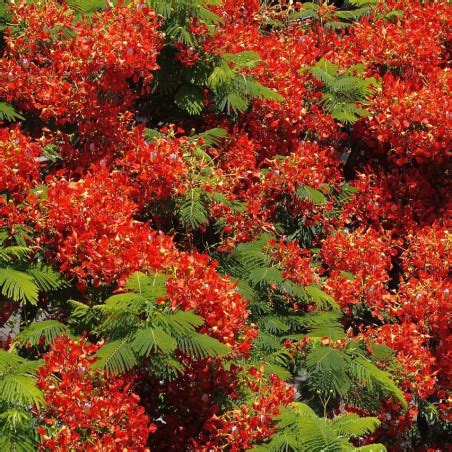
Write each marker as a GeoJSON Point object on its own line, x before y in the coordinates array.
{"type": "Point", "coordinates": [224, 225]}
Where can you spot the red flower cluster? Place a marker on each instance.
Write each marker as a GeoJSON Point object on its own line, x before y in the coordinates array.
{"type": "Point", "coordinates": [81, 65]}
{"type": "Point", "coordinates": [156, 167]}
{"type": "Point", "coordinates": [111, 199]}
{"type": "Point", "coordinates": [87, 411]}
{"type": "Point", "coordinates": [242, 427]}
{"type": "Point", "coordinates": [295, 261]}
{"type": "Point", "coordinates": [357, 266]}
{"type": "Point", "coordinates": [197, 286]}
{"type": "Point", "coordinates": [94, 239]}
{"type": "Point", "coordinates": [19, 163]}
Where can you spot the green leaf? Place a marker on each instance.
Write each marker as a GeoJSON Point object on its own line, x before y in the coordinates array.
{"type": "Point", "coordinates": [46, 329]}
{"type": "Point", "coordinates": [273, 324]}
{"type": "Point", "coordinates": [265, 275]}
{"type": "Point", "coordinates": [115, 357]}
{"type": "Point", "coordinates": [220, 76]}
{"type": "Point", "coordinates": [233, 102]}
{"type": "Point", "coordinates": [377, 447]}
{"type": "Point", "coordinates": [201, 346]}
{"type": "Point", "coordinates": [323, 324]}
{"type": "Point", "coordinates": [152, 286]}
{"type": "Point", "coordinates": [193, 210]}
{"type": "Point", "coordinates": [352, 425]}
{"type": "Point", "coordinates": [381, 352]}
{"type": "Point", "coordinates": [18, 286]}
{"type": "Point", "coordinates": [179, 322]}
{"type": "Point", "coordinates": [299, 429]}
{"type": "Point", "coordinates": [14, 440]}
{"type": "Point", "coordinates": [45, 278]}
{"type": "Point", "coordinates": [242, 59]}
{"type": "Point", "coordinates": [190, 99]}
{"type": "Point", "coordinates": [86, 6]}
{"type": "Point", "coordinates": [8, 113]}
{"type": "Point", "coordinates": [149, 340]}
{"type": "Point", "coordinates": [9, 360]}
{"type": "Point", "coordinates": [369, 374]}
{"type": "Point", "coordinates": [20, 389]}
{"type": "Point", "coordinates": [311, 194]}
{"type": "Point", "coordinates": [329, 367]}
{"type": "Point", "coordinates": [213, 137]}
{"type": "Point", "coordinates": [11, 253]}
{"type": "Point", "coordinates": [320, 297]}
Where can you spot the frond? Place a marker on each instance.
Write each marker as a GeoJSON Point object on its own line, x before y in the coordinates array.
{"type": "Point", "coordinates": [323, 324]}
{"type": "Point", "coordinates": [190, 99]}
{"type": "Point", "coordinates": [352, 425]}
{"type": "Point", "coordinates": [193, 209]}
{"type": "Point", "coordinates": [45, 277]}
{"type": "Point", "coordinates": [266, 275]}
{"type": "Point", "coordinates": [115, 357]}
{"type": "Point", "coordinates": [255, 90]}
{"type": "Point", "coordinates": [221, 75]}
{"type": "Point", "coordinates": [377, 447]}
{"type": "Point", "coordinates": [299, 429]}
{"type": "Point", "coordinates": [312, 433]}
{"type": "Point", "coordinates": [9, 360]}
{"type": "Point", "coordinates": [20, 389]}
{"type": "Point", "coordinates": [86, 6]}
{"type": "Point", "coordinates": [328, 370]}
{"type": "Point", "coordinates": [369, 375]}
{"type": "Point", "coordinates": [346, 193]}
{"type": "Point", "coordinates": [250, 259]}
{"type": "Point", "coordinates": [152, 134]}
{"type": "Point", "coordinates": [17, 285]}
{"type": "Point", "coordinates": [280, 371]}
{"type": "Point", "coordinates": [273, 324]}
{"type": "Point", "coordinates": [11, 253]}
{"type": "Point", "coordinates": [46, 330]}
{"type": "Point", "coordinates": [149, 340]}
{"type": "Point", "coordinates": [213, 137]}
{"type": "Point", "coordinates": [8, 113]}
{"type": "Point", "coordinates": [242, 59]}
{"type": "Point", "coordinates": [152, 286]}
{"type": "Point", "coordinates": [306, 193]}
{"type": "Point", "coordinates": [179, 322]}
{"type": "Point", "coordinates": [82, 316]}
{"type": "Point", "coordinates": [381, 352]}
{"type": "Point", "coordinates": [320, 297]}
{"type": "Point", "coordinates": [232, 102]}
{"type": "Point", "coordinates": [325, 71]}
{"type": "Point", "coordinates": [130, 302]}
{"type": "Point", "coordinates": [166, 367]}
{"type": "Point", "coordinates": [14, 440]}
{"type": "Point", "coordinates": [201, 346]}
{"type": "Point", "coordinates": [361, 3]}
{"type": "Point", "coordinates": [245, 290]}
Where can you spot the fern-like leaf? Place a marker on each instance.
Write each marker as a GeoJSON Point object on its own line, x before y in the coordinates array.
{"type": "Point", "coordinates": [320, 297]}
{"type": "Point", "coordinates": [352, 425]}
{"type": "Point", "coordinates": [193, 210]}
{"type": "Point", "coordinates": [45, 278]}
{"type": "Point", "coordinates": [311, 194]}
{"type": "Point", "coordinates": [20, 389]}
{"type": "Point", "coordinates": [10, 253]}
{"type": "Point", "coordinates": [115, 357]}
{"type": "Point", "coordinates": [151, 340]}
{"type": "Point", "coordinates": [46, 330]}
{"type": "Point", "coordinates": [17, 285]}
{"type": "Point", "coordinates": [202, 346]}
{"type": "Point", "coordinates": [266, 275]}
{"type": "Point", "coordinates": [8, 113]}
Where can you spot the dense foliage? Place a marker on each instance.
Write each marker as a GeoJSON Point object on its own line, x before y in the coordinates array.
{"type": "Point", "coordinates": [224, 225]}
